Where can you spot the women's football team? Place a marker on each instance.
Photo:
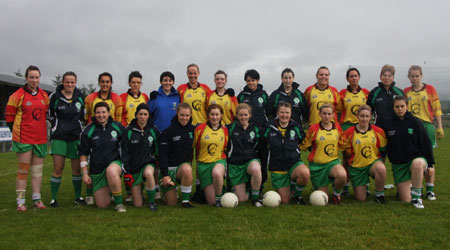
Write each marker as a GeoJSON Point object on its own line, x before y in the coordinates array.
{"type": "Point", "coordinates": [233, 140]}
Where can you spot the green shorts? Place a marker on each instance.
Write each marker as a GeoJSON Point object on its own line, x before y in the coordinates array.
{"type": "Point", "coordinates": [139, 177]}
{"type": "Point", "coordinates": [320, 173]}
{"type": "Point", "coordinates": [238, 173]}
{"type": "Point", "coordinates": [402, 171]}
{"type": "Point", "coordinates": [205, 171]}
{"type": "Point", "coordinates": [431, 131]}
{"type": "Point", "coordinates": [99, 180]}
{"type": "Point", "coordinates": [360, 176]}
{"type": "Point", "coordinates": [68, 149]}
{"type": "Point", "coordinates": [347, 125]}
{"type": "Point", "coordinates": [281, 179]}
{"type": "Point", "coordinates": [173, 176]}
{"type": "Point", "coordinates": [40, 150]}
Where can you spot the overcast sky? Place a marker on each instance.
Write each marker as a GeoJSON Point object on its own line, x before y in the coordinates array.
{"type": "Point", "coordinates": [90, 37]}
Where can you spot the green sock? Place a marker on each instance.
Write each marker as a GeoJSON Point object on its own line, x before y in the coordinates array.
{"type": "Point", "coordinates": [255, 194]}
{"type": "Point", "coordinates": [55, 182]}
{"type": "Point", "coordinates": [298, 190]}
{"type": "Point", "coordinates": [336, 191]}
{"type": "Point", "coordinates": [89, 191]}
{"type": "Point", "coordinates": [346, 187]}
{"type": "Point", "coordinates": [77, 181]}
{"type": "Point", "coordinates": [218, 196]}
{"type": "Point", "coordinates": [117, 197]}
{"type": "Point", "coordinates": [151, 194]}
{"type": "Point", "coordinates": [292, 186]}
{"type": "Point", "coordinates": [379, 193]}
{"type": "Point", "coordinates": [430, 187]}
{"type": "Point", "coordinates": [416, 193]}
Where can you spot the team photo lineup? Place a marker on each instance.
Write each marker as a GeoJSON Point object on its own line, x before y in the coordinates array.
{"type": "Point", "coordinates": [191, 144]}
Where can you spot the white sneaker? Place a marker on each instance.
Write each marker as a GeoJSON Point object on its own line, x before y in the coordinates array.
{"type": "Point", "coordinates": [431, 196]}
{"type": "Point", "coordinates": [121, 208]}
{"type": "Point", "coordinates": [417, 203]}
{"type": "Point", "coordinates": [89, 200]}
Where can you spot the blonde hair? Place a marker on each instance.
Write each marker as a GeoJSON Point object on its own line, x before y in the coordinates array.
{"type": "Point", "coordinates": [414, 67]}
{"type": "Point", "coordinates": [326, 105]}
{"type": "Point", "coordinates": [244, 106]}
{"type": "Point", "coordinates": [387, 68]}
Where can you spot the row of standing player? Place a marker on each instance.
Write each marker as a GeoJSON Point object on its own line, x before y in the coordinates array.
{"type": "Point", "coordinates": [190, 91]}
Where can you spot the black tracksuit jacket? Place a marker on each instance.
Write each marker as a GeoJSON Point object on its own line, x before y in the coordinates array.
{"type": "Point", "coordinates": [259, 101]}
{"type": "Point", "coordinates": [243, 143]}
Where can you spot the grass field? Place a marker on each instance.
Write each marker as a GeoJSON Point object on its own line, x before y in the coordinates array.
{"type": "Point", "coordinates": [352, 225]}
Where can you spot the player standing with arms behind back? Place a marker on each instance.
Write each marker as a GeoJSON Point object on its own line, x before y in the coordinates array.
{"type": "Point", "coordinates": [423, 102]}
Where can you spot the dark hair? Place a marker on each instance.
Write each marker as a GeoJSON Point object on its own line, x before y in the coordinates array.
{"type": "Point", "coordinates": [284, 105]}
{"type": "Point", "coordinates": [387, 68]}
{"type": "Point", "coordinates": [105, 74]}
{"type": "Point", "coordinates": [352, 69]}
{"type": "Point", "coordinates": [287, 70]}
{"type": "Point", "coordinates": [326, 106]}
{"type": "Point", "coordinates": [221, 72]}
{"type": "Point", "coordinates": [101, 104]}
{"type": "Point", "coordinates": [131, 75]}
{"type": "Point", "coordinates": [214, 106]}
{"type": "Point", "coordinates": [184, 105]}
{"type": "Point", "coordinates": [69, 73]}
{"type": "Point", "coordinates": [401, 98]}
{"type": "Point", "coordinates": [322, 67]}
{"type": "Point", "coordinates": [166, 73]}
{"type": "Point", "coordinates": [252, 74]}
{"type": "Point", "coordinates": [31, 68]}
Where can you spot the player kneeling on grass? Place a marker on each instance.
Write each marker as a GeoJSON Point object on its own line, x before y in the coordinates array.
{"type": "Point", "coordinates": [101, 141]}
{"type": "Point", "coordinates": [210, 141]}
{"type": "Point", "coordinates": [365, 141]}
{"type": "Point", "coordinates": [284, 137]}
{"type": "Point", "coordinates": [324, 163]}
{"type": "Point", "coordinates": [175, 157]}
{"type": "Point", "coordinates": [139, 152]}
{"type": "Point", "coordinates": [243, 155]}
{"type": "Point", "coordinates": [410, 151]}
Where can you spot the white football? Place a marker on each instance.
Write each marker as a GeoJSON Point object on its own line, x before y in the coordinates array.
{"type": "Point", "coordinates": [271, 199]}
{"type": "Point", "coordinates": [318, 198]}
{"type": "Point", "coordinates": [229, 200]}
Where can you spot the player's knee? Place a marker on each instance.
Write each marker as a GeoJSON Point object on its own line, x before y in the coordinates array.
{"type": "Point", "coordinates": [36, 170]}
{"type": "Point", "coordinates": [112, 172]}
{"type": "Point", "coordinates": [22, 171]}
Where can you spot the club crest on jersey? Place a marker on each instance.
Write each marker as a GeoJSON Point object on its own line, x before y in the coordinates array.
{"type": "Point", "coordinates": [42, 101]}
{"type": "Point", "coordinates": [314, 96]}
{"type": "Point", "coordinates": [189, 96]}
{"type": "Point", "coordinates": [358, 142]}
{"type": "Point", "coordinates": [191, 135]}
{"type": "Point", "coordinates": [78, 105]}
{"type": "Point", "coordinates": [28, 103]}
{"type": "Point", "coordinates": [410, 131]}
{"type": "Point", "coordinates": [329, 96]}
{"type": "Point", "coordinates": [213, 102]}
{"type": "Point", "coordinates": [131, 105]}
{"type": "Point", "coordinates": [322, 138]}
{"type": "Point", "coordinates": [296, 100]}
{"type": "Point", "coordinates": [252, 135]}
{"type": "Point", "coordinates": [150, 140]}
{"type": "Point", "coordinates": [349, 100]}
{"type": "Point", "coordinates": [114, 134]}
{"type": "Point", "coordinates": [260, 100]}
{"type": "Point", "coordinates": [292, 134]}
{"type": "Point", "coordinates": [207, 137]}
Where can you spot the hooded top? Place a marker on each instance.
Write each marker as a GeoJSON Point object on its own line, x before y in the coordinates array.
{"type": "Point", "coordinates": [163, 107]}
{"type": "Point", "coordinates": [66, 115]}
{"type": "Point", "coordinates": [382, 103]}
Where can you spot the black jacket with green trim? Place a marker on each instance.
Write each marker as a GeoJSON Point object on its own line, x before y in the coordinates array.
{"type": "Point", "coordinates": [407, 140]}
{"type": "Point", "coordinates": [243, 143]}
{"type": "Point", "coordinates": [259, 101]}
{"type": "Point", "coordinates": [284, 150]}
{"type": "Point", "coordinates": [66, 115]}
{"type": "Point", "coordinates": [300, 110]}
{"type": "Point", "coordinates": [139, 147]}
{"type": "Point", "coordinates": [102, 144]}
{"type": "Point", "coordinates": [382, 103]}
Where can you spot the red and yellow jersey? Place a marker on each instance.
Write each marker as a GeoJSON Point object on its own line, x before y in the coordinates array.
{"type": "Point", "coordinates": [28, 114]}
{"type": "Point", "coordinates": [197, 99]}
{"type": "Point", "coordinates": [350, 103]}
{"type": "Point", "coordinates": [113, 100]}
{"type": "Point", "coordinates": [130, 104]}
{"type": "Point", "coordinates": [424, 103]}
{"type": "Point", "coordinates": [210, 144]}
{"type": "Point", "coordinates": [316, 97]}
{"type": "Point", "coordinates": [324, 143]}
{"type": "Point", "coordinates": [364, 147]}
{"type": "Point", "coordinates": [227, 102]}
